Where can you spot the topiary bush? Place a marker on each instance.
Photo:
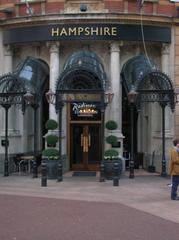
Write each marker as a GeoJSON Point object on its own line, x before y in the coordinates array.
{"type": "Point", "coordinates": [111, 139]}
{"type": "Point", "coordinates": [51, 124]}
{"type": "Point", "coordinates": [111, 154]}
{"type": "Point", "coordinates": [51, 140]}
{"type": "Point", "coordinates": [111, 125]}
{"type": "Point", "coordinates": [51, 153]}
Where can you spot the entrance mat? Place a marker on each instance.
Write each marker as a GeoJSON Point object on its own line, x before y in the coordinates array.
{"type": "Point", "coordinates": [84, 174]}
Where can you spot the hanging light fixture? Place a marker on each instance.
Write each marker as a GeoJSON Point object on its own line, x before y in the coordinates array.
{"type": "Point", "coordinates": [108, 97]}
{"type": "Point", "coordinates": [132, 95]}
{"type": "Point", "coordinates": [50, 96]}
{"type": "Point", "coordinates": [29, 98]}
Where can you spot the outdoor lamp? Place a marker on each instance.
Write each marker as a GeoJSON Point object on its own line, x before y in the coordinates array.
{"type": "Point", "coordinates": [109, 97]}
{"type": "Point", "coordinates": [29, 97]}
{"type": "Point", "coordinates": [132, 95]}
{"type": "Point", "coordinates": [50, 96]}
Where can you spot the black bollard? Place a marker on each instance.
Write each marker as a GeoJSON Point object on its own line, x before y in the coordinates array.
{"type": "Point", "coordinates": [116, 175]}
{"type": "Point", "coordinates": [34, 167]}
{"type": "Point", "coordinates": [59, 172]}
{"type": "Point", "coordinates": [102, 174]}
{"type": "Point", "coordinates": [44, 174]}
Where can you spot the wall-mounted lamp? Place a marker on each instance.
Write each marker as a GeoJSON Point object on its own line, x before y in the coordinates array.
{"type": "Point", "coordinates": [50, 96]}
{"type": "Point", "coordinates": [108, 97]}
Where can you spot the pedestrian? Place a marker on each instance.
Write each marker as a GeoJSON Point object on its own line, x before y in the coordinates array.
{"type": "Point", "coordinates": [174, 169]}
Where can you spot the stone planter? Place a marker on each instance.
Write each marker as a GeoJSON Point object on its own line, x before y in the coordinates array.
{"type": "Point", "coordinates": [109, 168]}
{"type": "Point", "coordinates": [52, 168]}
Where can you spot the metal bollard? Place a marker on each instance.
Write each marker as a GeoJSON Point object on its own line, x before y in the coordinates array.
{"type": "Point", "coordinates": [34, 166]}
{"type": "Point", "coordinates": [116, 175]}
{"type": "Point", "coordinates": [44, 174]}
{"type": "Point", "coordinates": [60, 172]}
{"type": "Point", "coordinates": [102, 174]}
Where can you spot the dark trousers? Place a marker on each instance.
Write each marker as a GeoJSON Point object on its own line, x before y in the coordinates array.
{"type": "Point", "coordinates": [175, 184]}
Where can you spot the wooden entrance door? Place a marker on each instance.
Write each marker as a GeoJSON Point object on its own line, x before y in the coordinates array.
{"type": "Point", "coordinates": [85, 146]}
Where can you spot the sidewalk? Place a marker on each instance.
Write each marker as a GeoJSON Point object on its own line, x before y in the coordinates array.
{"type": "Point", "coordinates": [146, 192]}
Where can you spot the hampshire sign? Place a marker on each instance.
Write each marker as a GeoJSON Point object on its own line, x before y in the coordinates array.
{"type": "Point", "coordinates": [100, 31]}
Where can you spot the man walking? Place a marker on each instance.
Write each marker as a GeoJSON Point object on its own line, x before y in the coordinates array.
{"type": "Point", "coordinates": [174, 169]}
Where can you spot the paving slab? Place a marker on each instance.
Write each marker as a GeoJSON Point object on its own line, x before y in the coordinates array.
{"type": "Point", "coordinates": [149, 193]}
{"type": "Point", "coordinates": [40, 218]}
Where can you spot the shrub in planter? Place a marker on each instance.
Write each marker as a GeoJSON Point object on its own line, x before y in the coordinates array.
{"type": "Point", "coordinates": [51, 140]}
{"type": "Point", "coordinates": [111, 154]}
{"type": "Point", "coordinates": [51, 124]}
{"type": "Point", "coordinates": [111, 139]}
{"type": "Point", "coordinates": [111, 125]}
{"type": "Point", "coordinates": [51, 153]}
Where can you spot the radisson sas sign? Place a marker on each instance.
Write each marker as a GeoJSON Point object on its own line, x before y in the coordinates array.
{"type": "Point", "coordinates": [100, 31]}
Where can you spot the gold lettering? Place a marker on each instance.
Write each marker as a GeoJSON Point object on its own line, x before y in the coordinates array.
{"type": "Point", "coordinates": [55, 32]}
{"type": "Point", "coordinates": [106, 31]}
{"type": "Point", "coordinates": [63, 32]}
{"type": "Point", "coordinates": [94, 30]}
{"type": "Point", "coordinates": [87, 31]}
{"type": "Point", "coordinates": [80, 30]}
{"type": "Point", "coordinates": [72, 31]}
{"type": "Point", "coordinates": [114, 31]}
{"type": "Point", "coordinates": [101, 31]}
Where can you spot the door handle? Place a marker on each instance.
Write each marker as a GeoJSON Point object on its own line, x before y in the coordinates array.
{"type": "Point", "coordinates": [89, 140]}
{"type": "Point", "coordinates": [85, 142]}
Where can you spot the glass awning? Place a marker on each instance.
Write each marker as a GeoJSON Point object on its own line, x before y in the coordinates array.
{"type": "Point", "coordinates": [33, 72]}
{"type": "Point", "coordinates": [152, 85]}
{"type": "Point", "coordinates": [82, 70]}
{"type": "Point", "coordinates": [134, 70]}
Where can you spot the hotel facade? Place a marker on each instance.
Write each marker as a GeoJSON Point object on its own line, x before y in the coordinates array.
{"type": "Point", "coordinates": [93, 53]}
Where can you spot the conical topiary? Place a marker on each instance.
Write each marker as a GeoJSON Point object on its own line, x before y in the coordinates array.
{"type": "Point", "coordinates": [111, 139]}
{"type": "Point", "coordinates": [52, 139]}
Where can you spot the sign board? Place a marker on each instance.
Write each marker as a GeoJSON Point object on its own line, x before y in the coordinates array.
{"type": "Point", "coordinates": [98, 31]}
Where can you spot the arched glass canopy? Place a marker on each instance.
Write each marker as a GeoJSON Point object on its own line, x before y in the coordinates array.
{"type": "Point", "coordinates": [33, 73]}
{"type": "Point", "coordinates": [140, 74]}
{"type": "Point", "coordinates": [82, 70]}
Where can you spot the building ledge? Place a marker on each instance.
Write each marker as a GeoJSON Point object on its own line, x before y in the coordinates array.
{"type": "Point", "coordinates": [30, 2]}
{"type": "Point", "coordinates": [7, 10]}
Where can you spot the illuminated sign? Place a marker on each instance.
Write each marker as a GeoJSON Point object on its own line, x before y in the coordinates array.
{"type": "Point", "coordinates": [84, 109]}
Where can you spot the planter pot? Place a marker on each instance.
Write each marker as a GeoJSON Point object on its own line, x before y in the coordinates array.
{"type": "Point", "coordinates": [109, 168]}
{"type": "Point", "coordinates": [151, 169]}
{"type": "Point", "coordinates": [52, 168]}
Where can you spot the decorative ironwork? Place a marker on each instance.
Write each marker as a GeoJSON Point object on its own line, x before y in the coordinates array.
{"type": "Point", "coordinates": [28, 79]}
{"type": "Point", "coordinates": [82, 70]}
{"type": "Point", "coordinates": [152, 86]}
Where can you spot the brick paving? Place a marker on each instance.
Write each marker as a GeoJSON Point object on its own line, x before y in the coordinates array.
{"type": "Point", "coordinates": [84, 209]}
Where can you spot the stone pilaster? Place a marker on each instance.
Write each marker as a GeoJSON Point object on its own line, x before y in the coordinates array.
{"type": "Point", "coordinates": [116, 88]}
{"type": "Point", "coordinates": [165, 60]}
{"type": "Point", "coordinates": [8, 59]}
{"type": "Point", "coordinates": [116, 105]}
{"type": "Point", "coordinates": [54, 73]}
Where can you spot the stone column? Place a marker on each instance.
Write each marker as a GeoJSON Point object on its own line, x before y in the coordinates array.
{"type": "Point", "coordinates": [116, 105]}
{"type": "Point", "coordinates": [54, 73]}
{"type": "Point", "coordinates": [166, 69]}
{"type": "Point", "coordinates": [116, 88]}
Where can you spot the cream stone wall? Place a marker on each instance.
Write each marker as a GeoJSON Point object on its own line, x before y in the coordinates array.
{"type": "Point", "coordinates": [149, 119]}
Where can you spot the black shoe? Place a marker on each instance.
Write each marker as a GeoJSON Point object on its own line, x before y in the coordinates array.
{"type": "Point", "coordinates": [176, 198]}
